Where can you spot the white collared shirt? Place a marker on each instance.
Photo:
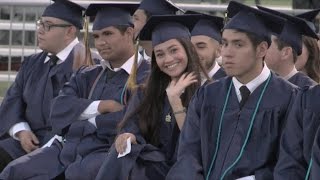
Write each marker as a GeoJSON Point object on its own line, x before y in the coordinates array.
{"type": "Point", "coordinates": [253, 84]}
{"type": "Point", "coordinates": [212, 72]}
{"type": "Point", "coordinates": [91, 111]}
{"type": "Point", "coordinates": [292, 73]}
{"type": "Point", "coordinates": [62, 55]}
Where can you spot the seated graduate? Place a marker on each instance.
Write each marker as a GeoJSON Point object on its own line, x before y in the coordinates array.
{"type": "Point", "coordinates": [233, 125]}
{"type": "Point", "coordinates": [25, 109]}
{"type": "Point", "coordinates": [206, 38]}
{"type": "Point", "coordinates": [309, 60]}
{"type": "Point", "coordinates": [89, 107]}
{"type": "Point", "coordinates": [286, 47]}
{"type": "Point", "coordinates": [157, 112]}
{"type": "Point", "coordinates": [299, 144]}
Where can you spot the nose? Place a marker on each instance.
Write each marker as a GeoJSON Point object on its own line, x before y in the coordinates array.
{"type": "Point", "coordinates": [100, 42]}
{"type": "Point", "coordinates": [226, 51]}
{"type": "Point", "coordinates": [168, 58]}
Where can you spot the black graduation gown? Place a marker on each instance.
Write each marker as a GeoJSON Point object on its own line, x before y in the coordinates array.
{"type": "Point", "coordinates": [145, 161]}
{"type": "Point", "coordinates": [315, 165]}
{"type": "Point", "coordinates": [297, 140]}
{"type": "Point", "coordinates": [199, 134]}
{"type": "Point", "coordinates": [28, 99]}
{"type": "Point", "coordinates": [219, 74]}
{"type": "Point", "coordinates": [85, 146]}
{"type": "Point", "coordinates": [82, 138]}
{"type": "Point", "coordinates": [302, 80]}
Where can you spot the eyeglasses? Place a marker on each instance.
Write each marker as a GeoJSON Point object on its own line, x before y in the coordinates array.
{"type": "Point", "coordinates": [47, 26]}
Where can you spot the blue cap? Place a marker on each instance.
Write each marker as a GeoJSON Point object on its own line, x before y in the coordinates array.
{"type": "Point", "coordinates": [310, 17]}
{"type": "Point", "coordinates": [159, 7]}
{"type": "Point", "coordinates": [162, 28]}
{"type": "Point", "coordinates": [252, 20]}
{"type": "Point", "coordinates": [111, 14]}
{"type": "Point", "coordinates": [293, 30]}
{"type": "Point", "coordinates": [208, 26]}
{"type": "Point", "coordinates": [65, 10]}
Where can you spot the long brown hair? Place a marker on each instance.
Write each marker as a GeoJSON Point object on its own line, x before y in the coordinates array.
{"type": "Point", "coordinates": [312, 67]}
{"type": "Point", "coordinates": [149, 111]}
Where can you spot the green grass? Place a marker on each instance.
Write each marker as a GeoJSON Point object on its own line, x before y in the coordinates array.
{"type": "Point", "coordinates": [4, 87]}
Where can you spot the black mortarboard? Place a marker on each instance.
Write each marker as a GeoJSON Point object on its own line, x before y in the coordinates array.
{"type": "Point", "coordinates": [162, 28]}
{"type": "Point", "coordinates": [159, 7]}
{"type": "Point", "coordinates": [310, 17]}
{"type": "Point", "coordinates": [293, 30]}
{"type": "Point", "coordinates": [111, 14]}
{"type": "Point", "coordinates": [208, 26]}
{"type": "Point", "coordinates": [65, 10]}
{"type": "Point", "coordinates": [252, 20]}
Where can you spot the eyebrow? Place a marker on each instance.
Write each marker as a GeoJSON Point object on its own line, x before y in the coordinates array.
{"type": "Point", "coordinates": [171, 46]}
{"type": "Point", "coordinates": [200, 43]}
{"type": "Point", "coordinates": [232, 41]}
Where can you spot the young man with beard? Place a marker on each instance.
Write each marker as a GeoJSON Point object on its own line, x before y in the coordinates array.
{"type": "Point", "coordinates": [206, 38]}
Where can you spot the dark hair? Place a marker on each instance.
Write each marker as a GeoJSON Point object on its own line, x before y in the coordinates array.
{"type": "Point", "coordinates": [281, 44]}
{"type": "Point", "coordinates": [149, 111]}
{"type": "Point", "coordinates": [147, 13]}
{"type": "Point", "coordinates": [254, 39]}
{"type": "Point", "coordinates": [122, 28]}
{"type": "Point", "coordinates": [312, 66]}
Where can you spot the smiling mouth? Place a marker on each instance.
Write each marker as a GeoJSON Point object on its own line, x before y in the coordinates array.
{"type": "Point", "coordinates": [172, 65]}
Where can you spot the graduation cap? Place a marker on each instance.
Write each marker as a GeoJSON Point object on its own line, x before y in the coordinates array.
{"type": "Point", "coordinates": [159, 7]}
{"type": "Point", "coordinates": [162, 28]}
{"type": "Point", "coordinates": [252, 20]}
{"type": "Point", "coordinates": [310, 17]}
{"type": "Point", "coordinates": [293, 30]}
{"type": "Point", "coordinates": [208, 26]}
{"type": "Point", "coordinates": [111, 14]}
{"type": "Point", "coordinates": [65, 10]}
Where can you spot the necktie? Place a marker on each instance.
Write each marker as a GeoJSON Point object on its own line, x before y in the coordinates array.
{"type": "Point", "coordinates": [245, 93]}
{"type": "Point", "coordinates": [53, 60]}
{"type": "Point", "coordinates": [50, 90]}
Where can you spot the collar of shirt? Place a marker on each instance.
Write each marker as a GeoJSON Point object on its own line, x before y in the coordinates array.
{"type": "Point", "coordinates": [214, 70]}
{"type": "Point", "coordinates": [292, 73]}
{"type": "Point", "coordinates": [253, 84]}
{"type": "Point", "coordinates": [127, 66]}
{"type": "Point", "coordinates": [62, 55]}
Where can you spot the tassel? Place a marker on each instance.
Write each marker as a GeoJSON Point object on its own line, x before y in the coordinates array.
{"type": "Point", "coordinates": [88, 57]}
{"type": "Point", "coordinates": [226, 19]}
{"type": "Point", "coordinates": [132, 80]}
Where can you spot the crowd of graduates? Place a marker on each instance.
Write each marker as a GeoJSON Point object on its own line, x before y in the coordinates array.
{"type": "Point", "coordinates": [169, 95]}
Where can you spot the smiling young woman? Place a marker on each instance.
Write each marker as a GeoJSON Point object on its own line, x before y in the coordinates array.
{"type": "Point", "coordinates": [157, 112]}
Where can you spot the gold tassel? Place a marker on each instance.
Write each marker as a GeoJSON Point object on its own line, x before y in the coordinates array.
{"type": "Point", "coordinates": [226, 19]}
{"type": "Point", "coordinates": [132, 80]}
{"type": "Point", "coordinates": [88, 57]}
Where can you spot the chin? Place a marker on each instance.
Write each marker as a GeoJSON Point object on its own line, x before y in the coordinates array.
{"type": "Point", "coordinates": [231, 73]}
